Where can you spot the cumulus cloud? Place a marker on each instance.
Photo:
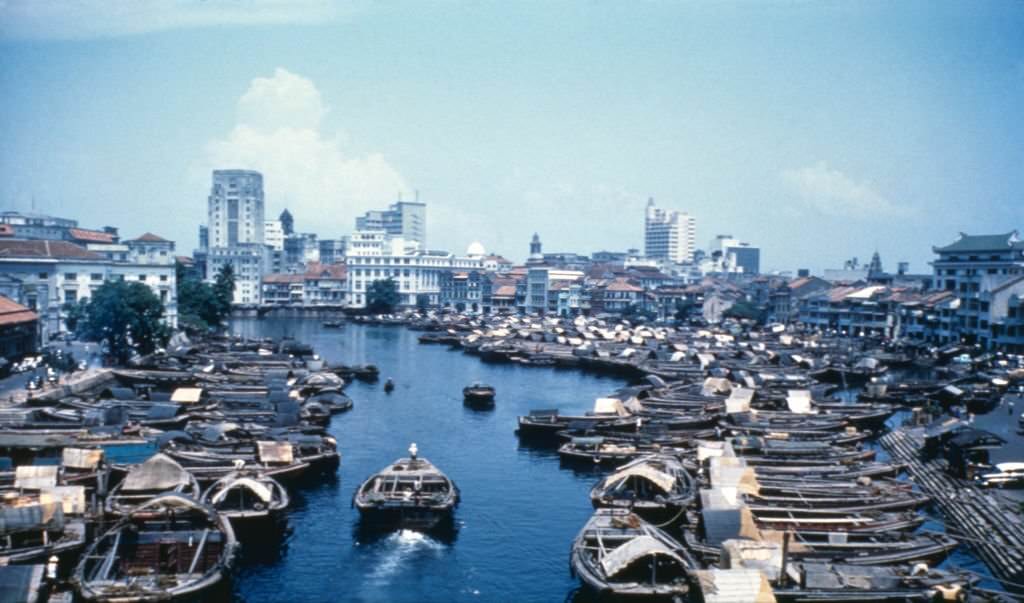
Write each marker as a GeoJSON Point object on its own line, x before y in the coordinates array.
{"type": "Point", "coordinates": [77, 19]}
{"type": "Point", "coordinates": [831, 192]}
{"type": "Point", "coordinates": [279, 134]}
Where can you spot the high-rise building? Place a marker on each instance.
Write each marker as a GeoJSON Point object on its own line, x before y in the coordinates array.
{"type": "Point", "coordinates": [668, 234]}
{"type": "Point", "coordinates": [273, 234]}
{"type": "Point", "coordinates": [236, 231]}
{"type": "Point", "coordinates": [235, 211]}
{"type": "Point", "coordinates": [405, 219]}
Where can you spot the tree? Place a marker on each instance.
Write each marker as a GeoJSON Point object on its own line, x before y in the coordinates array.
{"type": "Point", "coordinates": [224, 287]}
{"type": "Point", "coordinates": [382, 296]}
{"type": "Point", "coordinates": [128, 317]}
{"type": "Point", "coordinates": [745, 309]}
{"type": "Point", "coordinates": [75, 314]}
{"type": "Point", "coordinates": [198, 305]}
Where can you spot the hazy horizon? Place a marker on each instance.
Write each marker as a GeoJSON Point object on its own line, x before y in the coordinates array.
{"type": "Point", "coordinates": [816, 131]}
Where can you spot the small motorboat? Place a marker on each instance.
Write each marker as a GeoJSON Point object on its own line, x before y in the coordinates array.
{"type": "Point", "coordinates": [410, 493]}
{"type": "Point", "coordinates": [168, 548]}
{"type": "Point", "coordinates": [247, 497]}
{"type": "Point", "coordinates": [332, 324]}
{"type": "Point", "coordinates": [617, 553]}
{"type": "Point", "coordinates": [478, 394]}
{"type": "Point", "coordinates": [389, 386]}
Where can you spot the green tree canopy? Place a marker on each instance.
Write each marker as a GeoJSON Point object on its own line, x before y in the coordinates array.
{"type": "Point", "coordinates": [382, 296]}
{"type": "Point", "coordinates": [75, 314]}
{"type": "Point", "coordinates": [127, 316]}
{"type": "Point", "coordinates": [224, 287]}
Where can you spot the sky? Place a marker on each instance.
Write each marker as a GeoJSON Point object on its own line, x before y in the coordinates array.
{"type": "Point", "coordinates": [819, 131]}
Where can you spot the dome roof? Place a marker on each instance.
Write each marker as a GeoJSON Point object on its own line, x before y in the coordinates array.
{"type": "Point", "coordinates": [476, 248]}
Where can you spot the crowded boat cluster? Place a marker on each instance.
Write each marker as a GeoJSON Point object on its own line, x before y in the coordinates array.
{"type": "Point", "coordinates": [744, 464]}
{"type": "Point", "coordinates": [144, 484]}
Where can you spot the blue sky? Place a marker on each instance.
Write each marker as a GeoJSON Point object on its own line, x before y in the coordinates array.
{"type": "Point", "coordinates": [819, 131]}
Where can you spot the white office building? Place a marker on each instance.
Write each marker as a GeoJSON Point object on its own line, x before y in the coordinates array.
{"type": "Point", "coordinates": [668, 234]}
{"type": "Point", "coordinates": [404, 219]}
{"type": "Point", "coordinates": [373, 255]}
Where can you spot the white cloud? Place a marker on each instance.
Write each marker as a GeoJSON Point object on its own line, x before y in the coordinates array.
{"type": "Point", "coordinates": [831, 192]}
{"type": "Point", "coordinates": [279, 135]}
{"type": "Point", "coordinates": [76, 19]}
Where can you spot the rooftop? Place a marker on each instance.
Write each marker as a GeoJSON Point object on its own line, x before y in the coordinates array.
{"type": "Point", "coordinates": [151, 238]}
{"type": "Point", "coordinates": [12, 313]}
{"type": "Point", "coordinates": [46, 249]}
{"type": "Point", "coordinates": [91, 236]}
{"type": "Point", "coordinates": [996, 242]}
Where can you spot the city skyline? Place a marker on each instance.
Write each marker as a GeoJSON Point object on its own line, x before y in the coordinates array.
{"type": "Point", "coordinates": [816, 132]}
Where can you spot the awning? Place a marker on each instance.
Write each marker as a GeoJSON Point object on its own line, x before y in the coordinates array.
{"type": "Point", "coordinates": [664, 481]}
{"type": "Point", "coordinates": [734, 586]}
{"type": "Point", "coordinates": [159, 472]}
{"type": "Point", "coordinates": [187, 395]}
{"type": "Point", "coordinates": [275, 452]}
{"type": "Point", "coordinates": [260, 490]}
{"type": "Point", "coordinates": [81, 458]}
{"type": "Point", "coordinates": [799, 401]}
{"type": "Point", "coordinates": [642, 546]}
{"type": "Point", "coordinates": [34, 477]}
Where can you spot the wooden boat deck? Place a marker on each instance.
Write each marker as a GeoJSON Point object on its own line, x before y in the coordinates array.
{"type": "Point", "coordinates": [991, 526]}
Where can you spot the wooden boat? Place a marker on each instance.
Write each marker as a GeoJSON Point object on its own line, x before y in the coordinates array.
{"type": "Point", "coordinates": [411, 492]}
{"type": "Point", "coordinates": [160, 474]}
{"type": "Point", "coordinates": [599, 451]}
{"type": "Point", "coordinates": [478, 394]}
{"type": "Point", "coordinates": [855, 548]}
{"type": "Point", "coordinates": [31, 533]}
{"type": "Point", "coordinates": [657, 487]}
{"type": "Point", "coordinates": [332, 324]}
{"type": "Point", "coordinates": [247, 497]}
{"type": "Point", "coordinates": [618, 553]}
{"type": "Point", "coordinates": [811, 581]}
{"type": "Point", "coordinates": [283, 460]}
{"type": "Point", "coordinates": [1002, 475]}
{"type": "Point", "coordinates": [168, 548]}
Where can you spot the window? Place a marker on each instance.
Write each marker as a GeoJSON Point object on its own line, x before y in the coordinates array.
{"type": "Point", "coordinates": [70, 276]}
{"type": "Point", "coordinates": [70, 296]}
{"type": "Point", "coordinates": [163, 278]}
{"type": "Point", "coordinates": [96, 276]}
{"type": "Point", "coordinates": [43, 275]}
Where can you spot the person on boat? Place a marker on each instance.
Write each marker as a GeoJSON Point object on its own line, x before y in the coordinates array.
{"type": "Point", "coordinates": [389, 385]}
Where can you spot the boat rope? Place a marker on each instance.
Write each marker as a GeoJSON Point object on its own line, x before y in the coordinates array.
{"type": "Point", "coordinates": [989, 577]}
{"type": "Point", "coordinates": [671, 521]}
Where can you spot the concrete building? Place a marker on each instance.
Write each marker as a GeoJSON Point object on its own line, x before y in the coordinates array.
{"type": "Point", "coordinates": [44, 275]}
{"type": "Point", "coordinates": [373, 255]}
{"type": "Point", "coordinates": [553, 291]}
{"type": "Point", "coordinates": [405, 219]}
{"type": "Point", "coordinates": [273, 235]}
{"type": "Point", "coordinates": [332, 251]}
{"type": "Point", "coordinates": [300, 248]}
{"type": "Point", "coordinates": [980, 270]}
{"type": "Point", "coordinates": [235, 222]}
{"type": "Point", "coordinates": [668, 234]}
{"type": "Point", "coordinates": [235, 208]}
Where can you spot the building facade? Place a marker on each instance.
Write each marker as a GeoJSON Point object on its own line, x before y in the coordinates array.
{"type": "Point", "coordinates": [669, 235]}
{"type": "Point", "coordinates": [405, 219]}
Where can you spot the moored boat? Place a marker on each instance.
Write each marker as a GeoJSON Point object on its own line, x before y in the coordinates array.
{"type": "Point", "coordinates": [168, 548]}
{"type": "Point", "coordinates": [247, 498]}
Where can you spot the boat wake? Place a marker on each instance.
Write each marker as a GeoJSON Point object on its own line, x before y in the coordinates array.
{"type": "Point", "coordinates": [401, 548]}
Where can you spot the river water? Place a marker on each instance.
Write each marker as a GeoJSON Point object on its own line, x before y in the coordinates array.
{"type": "Point", "coordinates": [519, 510]}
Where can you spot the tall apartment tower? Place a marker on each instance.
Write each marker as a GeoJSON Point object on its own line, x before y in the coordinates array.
{"type": "Point", "coordinates": [669, 234]}
{"type": "Point", "coordinates": [235, 211]}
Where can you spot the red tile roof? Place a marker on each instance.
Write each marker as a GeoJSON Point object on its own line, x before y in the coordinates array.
{"type": "Point", "coordinates": [90, 236]}
{"type": "Point", "coordinates": [13, 313]}
{"type": "Point", "coordinates": [283, 278]}
{"type": "Point", "coordinates": [621, 284]}
{"type": "Point", "coordinates": [151, 238]}
{"type": "Point", "coordinates": [315, 270]}
{"type": "Point", "coordinates": [46, 249]}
